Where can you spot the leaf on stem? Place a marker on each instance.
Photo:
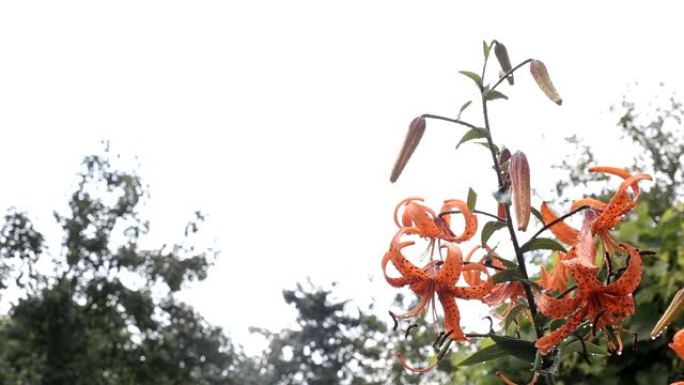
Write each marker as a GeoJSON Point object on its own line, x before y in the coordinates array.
{"type": "Point", "coordinates": [415, 133]}
{"type": "Point", "coordinates": [472, 199]}
{"type": "Point", "coordinates": [463, 107]}
{"type": "Point", "coordinates": [473, 133]}
{"type": "Point", "coordinates": [488, 353]}
{"type": "Point", "coordinates": [504, 61]}
{"type": "Point", "coordinates": [475, 77]}
{"type": "Point", "coordinates": [541, 76]}
{"type": "Point", "coordinates": [512, 274]}
{"type": "Point", "coordinates": [494, 94]}
{"type": "Point", "coordinates": [541, 244]}
{"type": "Point", "coordinates": [521, 349]}
{"type": "Point", "coordinates": [485, 49]}
{"type": "Point", "coordinates": [489, 228]}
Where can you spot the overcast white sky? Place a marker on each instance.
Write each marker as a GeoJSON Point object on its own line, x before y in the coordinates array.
{"type": "Point", "coordinates": [281, 119]}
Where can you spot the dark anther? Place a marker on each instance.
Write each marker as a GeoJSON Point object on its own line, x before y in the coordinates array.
{"type": "Point", "coordinates": [517, 328]}
{"type": "Point", "coordinates": [585, 353]}
{"type": "Point", "coordinates": [436, 343]}
{"type": "Point", "coordinates": [444, 350]}
{"type": "Point", "coordinates": [593, 329]}
{"type": "Point", "coordinates": [609, 267]}
{"type": "Point", "coordinates": [408, 330]}
{"type": "Point", "coordinates": [444, 337]}
{"type": "Point", "coordinates": [439, 263]}
{"type": "Point", "coordinates": [647, 252]}
{"type": "Point", "coordinates": [491, 324]}
{"type": "Point", "coordinates": [394, 318]}
{"type": "Point", "coordinates": [635, 340]}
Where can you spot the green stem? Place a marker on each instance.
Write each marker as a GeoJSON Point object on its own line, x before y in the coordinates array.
{"type": "Point", "coordinates": [509, 223]}
{"type": "Point", "coordinates": [509, 73]}
{"type": "Point", "coordinates": [437, 117]}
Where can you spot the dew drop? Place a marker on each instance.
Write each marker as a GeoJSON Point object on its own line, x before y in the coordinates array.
{"type": "Point", "coordinates": [619, 353]}
{"type": "Point", "coordinates": [653, 337]}
{"type": "Point", "coordinates": [591, 325]}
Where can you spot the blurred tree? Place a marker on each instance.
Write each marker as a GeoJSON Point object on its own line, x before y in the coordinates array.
{"type": "Point", "coordinates": [103, 311]}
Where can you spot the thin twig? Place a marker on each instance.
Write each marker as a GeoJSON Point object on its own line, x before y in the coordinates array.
{"type": "Point", "coordinates": [507, 74]}
{"type": "Point", "coordinates": [444, 118]}
{"type": "Point", "coordinates": [475, 211]}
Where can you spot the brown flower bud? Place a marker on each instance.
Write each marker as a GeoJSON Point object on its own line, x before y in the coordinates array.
{"type": "Point", "coordinates": [415, 133]}
{"type": "Point", "coordinates": [675, 308]}
{"type": "Point", "coordinates": [520, 181]}
{"type": "Point", "coordinates": [541, 76]}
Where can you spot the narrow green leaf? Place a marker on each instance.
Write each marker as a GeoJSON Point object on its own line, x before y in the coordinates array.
{"type": "Point", "coordinates": [472, 199]}
{"type": "Point", "coordinates": [494, 94]}
{"type": "Point", "coordinates": [507, 263]}
{"type": "Point", "coordinates": [486, 354]}
{"type": "Point", "coordinates": [486, 145]}
{"type": "Point", "coordinates": [475, 77]}
{"type": "Point", "coordinates": [537, 214]}
{"type": "Point", "coordinates": [541, 244]}
{"type": "Point", "coordinates": [576, 347]}
{"type": "Point", "coordinates": [463, 107]}
{"type": "Point", "coordinates": [518, 348]}
{"type": "Point", "coordinates": [474, 133]}
{"type": "Point", "coordinates": [485, 49]}
{"type": "Point", "coordinates": [512, 314]}
{"type": "Point", "coordinates": [507, 275]}
{"type": "Point", "coordinates": [504, 61]}
{"type": "Point", "coordinates": [488, 229]}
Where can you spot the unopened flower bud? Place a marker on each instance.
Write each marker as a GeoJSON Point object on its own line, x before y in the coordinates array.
{"type": "Point", "coordinates": [541, 76]}
{"type": "Point", "coordinates": [415, 133]}
{"type": "Point", "coordinates": [520, 181]}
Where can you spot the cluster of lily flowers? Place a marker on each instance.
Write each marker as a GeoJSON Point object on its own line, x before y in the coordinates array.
{"type": "Point", "coordinates": [581, 288]}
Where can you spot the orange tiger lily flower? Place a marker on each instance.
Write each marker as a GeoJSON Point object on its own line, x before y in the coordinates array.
{"type": "Point", "coordinates": [500, 292]}
{"type": "Point", "coordinates": [606, 215]}
{"type": "Point", "coordinates": [436, 277]}
{"type": "Point", "coordinates": [431, 225]}
{"type": "Point", "coordinates": [558, 278]}
{"type": "Point", "coordinates": [600, 304]}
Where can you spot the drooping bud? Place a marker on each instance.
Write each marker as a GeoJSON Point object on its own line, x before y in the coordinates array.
{"type": "Point", "coordinates": [504, 61]}
{"type": "Point", "coordinates": [415, 133]}
{"type": "Point", "coordinates": [675, 308]}
{"type": "Point", "coordinates": [520, 181]}
{"type": "Point", "coordinates": [541, 76]}
{"type": "Point", "coordinates": [504, 164]}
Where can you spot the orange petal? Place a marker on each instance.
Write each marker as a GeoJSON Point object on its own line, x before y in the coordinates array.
{"type": "Point", "coordinates": [619, 306]}
{"type": "Point", "coordinates": [591, 202]}
{"type": "Point", "coordinates": [417, 215]}
{"type": "Point", "coordinates": [452, 318]}
{"type": "Point", "coordinates": [477, 291]}
{"type": "Point", "coordinates": [619, 205]}
{"type": "Point", "coordinates": [622, 173]}
{"type": "Point", "coordinates": [559, 276]}
{"type": "Point", "coordinates": [677, 343]}
{"type": "Point", "coordinates": [470, 219]}
{"type": "Point", "coordinates": [562, 231]}
{"type": "Point", "coordinates": [546, 344]}
{"type": "Point", "coordinates": [452, 267]}
{"type": "Point", "coordinates": [396, 282]}
{"type": "Point", "coordinates": [556, 308]}
{"type": "Point", "coordinates": [403, 266]}
{"type": "Point", "coordinates": [630, 279]}
{"type": "Point", "coordinates": [585, 277]}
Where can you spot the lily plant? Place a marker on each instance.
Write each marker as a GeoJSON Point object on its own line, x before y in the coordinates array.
{"type": "Point", "coordinates": [583, 299]}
